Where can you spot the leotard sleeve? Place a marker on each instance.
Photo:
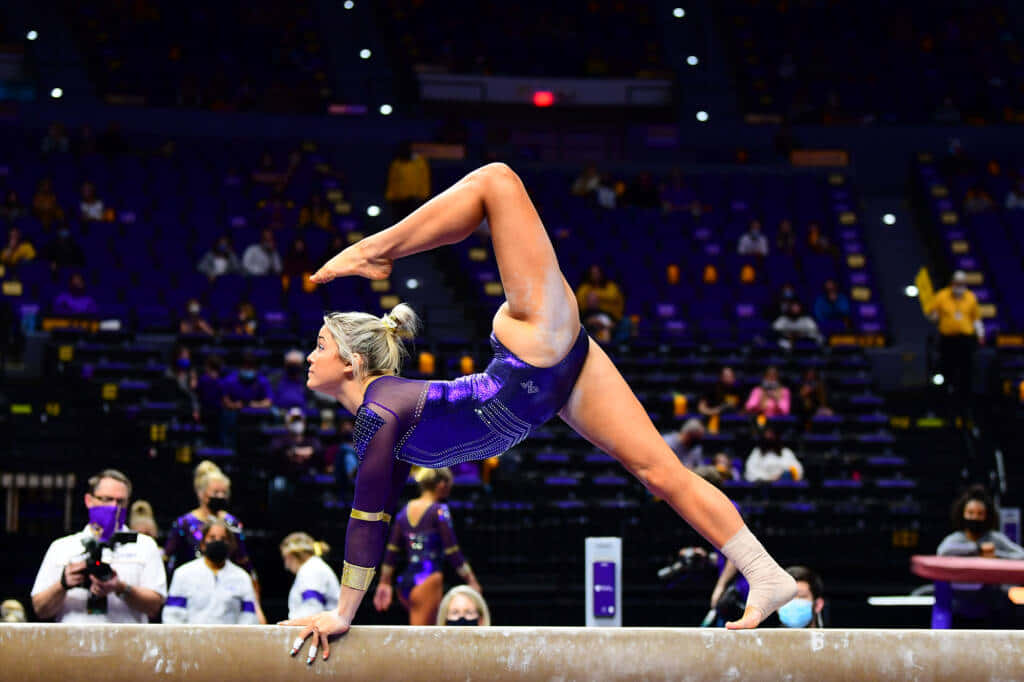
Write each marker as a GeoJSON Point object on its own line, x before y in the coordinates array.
{"type": "Point", "coordinates": [448, 539]}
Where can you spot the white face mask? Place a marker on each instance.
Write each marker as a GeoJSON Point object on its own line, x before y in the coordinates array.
{"type": "Point", "coordinates": [297, 427]}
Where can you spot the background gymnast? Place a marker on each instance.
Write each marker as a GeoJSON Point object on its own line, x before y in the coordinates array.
{"type": "Point", "coordinates": [544, 364]}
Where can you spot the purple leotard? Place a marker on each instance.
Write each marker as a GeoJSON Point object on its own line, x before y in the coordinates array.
{"type": "Point", "coordinates": [440, 423]}
{"type": "Point", "coordinates": [426, 544]}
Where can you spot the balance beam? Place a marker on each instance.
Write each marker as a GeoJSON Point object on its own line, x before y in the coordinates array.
{"type": "Point", "coordinates": [126, 653]}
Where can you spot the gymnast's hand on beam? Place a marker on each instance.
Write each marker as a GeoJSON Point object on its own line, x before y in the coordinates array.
{"type": "Point", "coordinates": [322, 626]}
{"type": "Point", "coordinates": [353, 261]}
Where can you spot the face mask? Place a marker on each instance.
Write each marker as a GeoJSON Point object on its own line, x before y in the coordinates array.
{"type": "Point", "coordinates": [246, 374]}
{"type": "Point", "coordinates": [975, 526]}
{"type": "Point", "coordinates": [297, 427]}
{"type": "Point", "coordinates": [193, 309]}
{"type": "Point", "coordinates": [217, 504]}
{"type": "Point", "coordinates": [183, 363]}
{"type": "Point", "coordinates": [63, 234]}
{"type": "Point", "coordinates": [216, 551]}
{"type": "Point", "coordinates": [958, 290]}
{"type": "Point", "coordinates": [107, 520]}
{"type": "Point", "coordinates": [770, 385]}
{"type": "Point", "coordinates": [462, 621]}
{"type": "Point", "coordinates": [797, 613]}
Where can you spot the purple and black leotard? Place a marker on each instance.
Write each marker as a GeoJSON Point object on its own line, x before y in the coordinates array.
{"type": "Point", "coordinates": [426, 544]}
{"type": "Point", "coordinates": [436, 424]}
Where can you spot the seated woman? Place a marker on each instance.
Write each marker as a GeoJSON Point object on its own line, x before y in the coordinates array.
{"type": "Point", "coordinates": [771, 398]}
{"type": "Point", "coordinates": [601, 306]}
{"type": "Point", "coordinates": [211, 590]}
{"type": "Point", "coordinates": [463, 605]}
{"type": "Point", "coordinates": [974, 518]}
{"type": "Point", "coordinates": [771, 461]}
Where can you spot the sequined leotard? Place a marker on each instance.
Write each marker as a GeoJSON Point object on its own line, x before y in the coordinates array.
{"type": "Point", "coordinates": [426, 544]}
{"type": "Point", "coordinates": [440, 423]}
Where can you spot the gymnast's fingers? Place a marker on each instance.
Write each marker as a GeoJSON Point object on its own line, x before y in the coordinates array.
{"type": "Point", "coordinates": [325, 644]}
{"type": "Point", "coordinates": [297, 644]}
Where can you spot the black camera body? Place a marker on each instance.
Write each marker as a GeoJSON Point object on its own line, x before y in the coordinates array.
{"type": "Point", "coordinates": [96, 566]}
{"type": "Point", "coordinates": [688, 562]}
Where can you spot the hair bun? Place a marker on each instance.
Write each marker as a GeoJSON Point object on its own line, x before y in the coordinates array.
{"type": "Point", "coordinates": [406, 324]}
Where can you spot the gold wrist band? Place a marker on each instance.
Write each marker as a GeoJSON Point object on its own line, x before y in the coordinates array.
{"type": "Point", "coordinates": [356, 577]}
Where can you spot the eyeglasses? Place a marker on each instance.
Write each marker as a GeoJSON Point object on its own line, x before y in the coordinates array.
{"type": "Point", "coordinates": [105, 499]}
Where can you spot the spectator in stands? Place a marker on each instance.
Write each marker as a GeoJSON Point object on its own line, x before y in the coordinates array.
{"type": "Point", "coordinates": [297, 263]}
{"type": "Point", "coordinates": [75, 300]}
{"type": "Point", "coordinates": [462, 605]}
{"type": "Point", "coordinates": [55, 141]}
{"type": "Point", "coordinates": [975, 520]}
{"type": "Point", "coordinates": [587, 183]}
{"type": "Point", "coordinates": [408, 181]}
{"type": "Point", "coordinates": [246, 387]}
{"type": "Point", "coordinates": [134, 593]}
{"type": "Point", "coordinates": [64, 251]}
{"type": "Point", "coordinates": [787, 294]}
{"type": "Point", "coordinates": [607, 193]}
{"type": "Point", "coordinates": [601, 304]}
{"type": "Point", "coordinates": [275, 211]}
{"type": "Point", "coordinates": [813, 235]}
{"type": "Point", "coordinates": [1015, 197]}
{"type": "Point", "coordinates": [12, 209]}
{"type": "Point", "coordinates": [805, 609]}
{"type": "Point", "coordinates": [184, 380]}
{"type": "Point", "coordinates": [85, 145]}
{"type": "Point", "coordinates": [642, 192]}
{"type": "Point", "coordinates": [722, 463]}
{"type": "Point", "coordinates": [245, 322]}
{"type": "Point", "coordinates": [977, 200]}
{"type": "Point", "coordinates": [11, 611]}
{"type": "Point", "coordinates": [753, 242]}
{"type": "Point", "coordinates": [267, 172]}
{"type": "Point", "coordinates": [211, 590]}
{"type": "Point", "coordinates": [785, 238]}
{"type": "Point", "coordinates": [955, 309]}
{"type": "Point", "coordinates": [220, 260]}
{"type": "Point", "coordinates": [193, 322]}
{"type": "Point", "coordinates": [342, 457]}
{"type": "Point", "coordinates": [796, 325]}
{"type": "Point", "coordinates": [823, 246]}
{"type": "Point", "coordinates": [772, 461]}
{"type": "Point", "coordinates": [91, 206]}
{"type": "Point", "coordinates": [686, 443]}
{"type": "Point", "coordinates": [676, 196]}
{"type": "Point", "coordinates": [812, 399]}
{"type": "Point", "coordinates": [289, 386]}
{"type": "Point", "coordinates": [723, 397]}
{"type": "Point", "coordinates": [44, 204]}
{"type": "Point", "coordinates": [771, 398]}
{"type": "Point", "coordinates": [141, 519]}
{"type": "Point", "coordinates": [316, 587]}
{"type": "Point", "coordinates": [832, 307]}
{"type": "Point", "coordinates": [262, 258]}
{"type": "Point", "coordinates": [17, 250]}
{"type": "Point", "coordinates": [210, 392]}
{"type": "Point", "coordinates": [316, 213]}
{"type": "Point", "coordinates": [298, 451]}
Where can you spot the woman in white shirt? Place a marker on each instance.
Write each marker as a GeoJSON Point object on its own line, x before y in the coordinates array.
{"type": "Point", "coordinates": [316, 587]}
{"type": "Point", "coordinates": [770, 461]}
{"type": "Point", "coordinates": [211, 590]}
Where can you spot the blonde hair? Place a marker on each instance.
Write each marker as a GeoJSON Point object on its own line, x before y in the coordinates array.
{"type": "Point", "coordinates": [207, 472]}
{"type": "Point", "coordinates": [142, 511]}
{"type": "Point", "coordinates": [303, 546]}
{"type": "Point", "coordinates": [429, 479]}
{"type": "Point", "coordinates": [475, 597]}
{"type": "Point", "coordinates": [376, 341]}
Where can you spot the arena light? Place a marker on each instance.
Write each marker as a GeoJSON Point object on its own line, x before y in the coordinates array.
{"type": "Point", "coordinates": [365, 53]}
{"type": "Point", "coordinates": [32, 35]}
{"type": "Point", "coordinates": [385, 109]}
{"type": "Point", "coordinates": [543, 98]}
{"type": "Point", "coordinates": [938, 379]}
{"type": "Point", "coordinates": [904, 600]}
{"type": "Point", "coordinates": [692, 60]}
{"type": "Point", "coordinates": [702, 116]}
{"type": "Point", "coordinates": [373, 210]}
{"type": "Point", "coordinates": [911, 291]}
{"type": "Point", "coordinates": [889, 219]}
{"type": "Point", "coordinates": [679, 12]}
{"type": "Point", "coordinates": [349, 4]}
{"type": "Point", "coordinates": [412, 283]}
{"type": "Point", "coordinates": [56, 93]}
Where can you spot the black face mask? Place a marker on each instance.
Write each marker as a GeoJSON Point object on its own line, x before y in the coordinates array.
{"type": "Point", "coordinates": [975, 526]}
{"type": "Point", "coordinates": [463, 621]}
{"type": "Point", "coordinates": [217, 504]}
{"type": "Point", "coordinates": [216, 551]}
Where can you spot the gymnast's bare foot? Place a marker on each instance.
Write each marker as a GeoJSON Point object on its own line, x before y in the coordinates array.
{"type": "Point", "coordinates": [353, 261]}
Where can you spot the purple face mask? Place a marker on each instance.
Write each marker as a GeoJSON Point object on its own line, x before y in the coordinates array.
{"type": "Point", "coordinates": [107, 520]}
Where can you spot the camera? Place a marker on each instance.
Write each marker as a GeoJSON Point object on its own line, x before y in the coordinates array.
{"type": "Point", "coordinates": [689, 560]}
{"type": "Point", "coordinates": [96, 566]}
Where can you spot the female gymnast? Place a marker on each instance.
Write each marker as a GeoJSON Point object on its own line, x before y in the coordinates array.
{"type": "Point", "coordinates": [544, 364]}
{"type": "Point", "coordinates": [423, 530]}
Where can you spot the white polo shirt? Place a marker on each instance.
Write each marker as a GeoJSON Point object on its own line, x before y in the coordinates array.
{"type": "Point", "coordinates": [315, 589]}
{"type": "Point", "coordinates": [198, 595]}
{"type": "Point", "coordinates": [137, 564]}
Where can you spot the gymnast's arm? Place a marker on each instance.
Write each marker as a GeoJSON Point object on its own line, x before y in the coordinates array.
{"type": "Point", "coordinates": [451, 547]}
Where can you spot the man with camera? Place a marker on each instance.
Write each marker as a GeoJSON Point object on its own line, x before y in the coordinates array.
{"type": "Point", "coordinates": [104, 574]}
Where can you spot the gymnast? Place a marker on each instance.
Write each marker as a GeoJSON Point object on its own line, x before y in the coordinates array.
{"type": "Point", "coordinates": [423, 530]}
{"type": "Point", "coordinates": [544, 364]}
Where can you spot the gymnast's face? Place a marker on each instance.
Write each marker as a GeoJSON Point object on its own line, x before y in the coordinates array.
{"type": "Point", "coordinates": [327, 371]}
